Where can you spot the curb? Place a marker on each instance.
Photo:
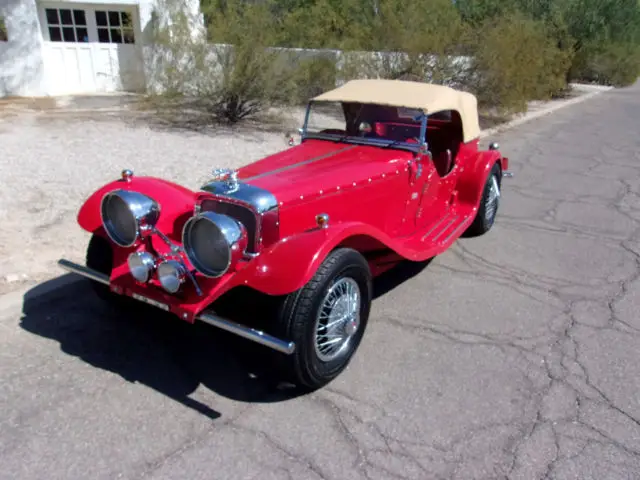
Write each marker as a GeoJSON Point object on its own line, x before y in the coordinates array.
{"type": "Point", "coordinates": [541, 113]}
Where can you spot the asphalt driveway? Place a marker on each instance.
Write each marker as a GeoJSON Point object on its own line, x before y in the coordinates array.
{"type": "Point", "coordinates": [513, 355]}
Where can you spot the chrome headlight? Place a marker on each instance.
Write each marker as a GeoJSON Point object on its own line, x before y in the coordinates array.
{"type": "Point", "coordinates": [127, 215]}
{"type": "Point", "coordinates": [213, 242]}
{"type": "Point", "coordinates": [171, 275]}
{"type": "Point", "coordinates": [141, 264]}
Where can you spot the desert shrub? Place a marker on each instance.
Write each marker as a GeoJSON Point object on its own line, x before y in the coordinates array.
{"type": "Point", "coordinates": [516, 61]}
{"type": "Point", "coordinates": [416, 39]}
{"type": "Point", "coordinates": [228, 82]}
{"type": "Point", "coordinates": [314, 75]}
{"type": "Point", "coordinates": [616, 64]}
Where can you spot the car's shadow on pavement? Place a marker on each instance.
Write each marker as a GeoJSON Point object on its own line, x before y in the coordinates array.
{"type": "Point", "coordinates": [153, 348]}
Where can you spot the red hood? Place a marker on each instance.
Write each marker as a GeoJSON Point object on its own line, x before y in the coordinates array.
{"type": "Point", "coordinates": [320, 165]}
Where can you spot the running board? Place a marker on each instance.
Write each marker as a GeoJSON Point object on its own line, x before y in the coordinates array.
{"type": "Point", "coordinates": [210, 318]}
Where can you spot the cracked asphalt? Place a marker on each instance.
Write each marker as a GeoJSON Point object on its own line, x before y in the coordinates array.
{"type": "Point", "coordinates": [513, 355]}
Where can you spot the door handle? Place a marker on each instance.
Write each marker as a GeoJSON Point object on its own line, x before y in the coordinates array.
{"type": "Point", "coordinates": [416, 170]}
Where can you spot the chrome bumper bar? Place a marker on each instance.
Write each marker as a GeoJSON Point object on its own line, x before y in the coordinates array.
{"type": "Point", "coordinates": [207, 317]}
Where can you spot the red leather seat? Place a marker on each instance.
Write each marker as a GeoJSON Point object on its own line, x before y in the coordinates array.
{"type": "Point", "coordinates": [443, 162]}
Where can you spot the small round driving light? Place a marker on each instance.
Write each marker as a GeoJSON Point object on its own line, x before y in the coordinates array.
{"type": "Point", "coordinates": [171, 275]}
{"type": "Point", "coordinates": [141, 265]}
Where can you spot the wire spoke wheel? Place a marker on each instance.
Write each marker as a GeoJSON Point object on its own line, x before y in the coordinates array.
{"type": "Point", "coordinates": [492, 201]}
{"type": "Point", "coordinates": [338, 319]}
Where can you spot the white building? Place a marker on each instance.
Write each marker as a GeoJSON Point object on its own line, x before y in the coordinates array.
{"type": "Point", "coordinates": [73, 47]}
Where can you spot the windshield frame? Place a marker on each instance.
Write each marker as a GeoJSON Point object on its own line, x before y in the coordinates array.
{"type": "Point", "coordinates": [374, 142]}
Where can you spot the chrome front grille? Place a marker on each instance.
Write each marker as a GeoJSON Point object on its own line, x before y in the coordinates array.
{"type": "Point", "coordinates": [239, 212]}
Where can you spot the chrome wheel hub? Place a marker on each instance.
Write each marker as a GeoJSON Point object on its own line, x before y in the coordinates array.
{"type": "Point", "coordinates": [338, 319]}
{"type": "Point", "coordinates": [493, 199]}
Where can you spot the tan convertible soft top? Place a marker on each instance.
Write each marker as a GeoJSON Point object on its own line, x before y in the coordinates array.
{"type": "Point", "coordinates": [416, 95]}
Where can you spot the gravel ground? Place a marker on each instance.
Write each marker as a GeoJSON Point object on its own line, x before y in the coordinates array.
{"type": "Point", "coordinates": [51, 163]}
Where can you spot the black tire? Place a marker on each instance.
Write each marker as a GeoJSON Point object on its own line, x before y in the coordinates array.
{"type": "Point", "coordinates": [482, 223]}
{"type": "Point", "coordinates": [299, 312]}
{"type": "Point", "coordinates": [100, 257]}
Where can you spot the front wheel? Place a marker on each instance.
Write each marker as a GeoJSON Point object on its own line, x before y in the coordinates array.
{"type": "Point", "coordinates": [489, 203]}
{"type": "Point", "coordinates": [100, 258]}
{"type": "Point", "coordinates": [326, 319]}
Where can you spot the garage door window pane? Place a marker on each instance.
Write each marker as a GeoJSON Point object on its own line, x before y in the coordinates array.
{"type": "Point", "coordinates": [82, 35]}
{"type": "Point", "coordinates": [65, 17]}
{"type": "Point", "coordinates": [68, 35]}
{"type": "Point", "coordinates": [54, 34]}
{"type": "Point", "coordinates": [52, 16]}
{"type": "Point", "coordinates": [103, 35]}
{"type": "Point", "coordinates": [115, 35]}
{"type": "Point", "coordinates": [101, 19]}
{"type": "Point", "coordinates": [128, 36]}
{"type": "Point", "coordinates": [114, 19]}
{"type": "Point", "coordinates": [79, 17]}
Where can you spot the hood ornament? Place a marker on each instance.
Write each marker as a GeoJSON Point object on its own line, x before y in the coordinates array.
{"type": "Point", "coordinates": [228, 176]}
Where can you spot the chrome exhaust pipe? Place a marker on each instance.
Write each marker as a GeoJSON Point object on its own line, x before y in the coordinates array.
{"type": "Point", "coordinates": [252, 334]}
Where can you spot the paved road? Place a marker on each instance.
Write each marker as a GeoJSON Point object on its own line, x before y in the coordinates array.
{"type": "Point", "coordinates": [511, 356]}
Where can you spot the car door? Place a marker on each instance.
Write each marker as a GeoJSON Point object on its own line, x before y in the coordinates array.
{"type": "Point", "coordinates": [423, 187]}
{"type": "Point", "coordinates": [436, 196]}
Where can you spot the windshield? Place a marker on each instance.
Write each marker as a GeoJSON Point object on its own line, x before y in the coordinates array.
{"type": "Point", "coordinates": [364, 123]}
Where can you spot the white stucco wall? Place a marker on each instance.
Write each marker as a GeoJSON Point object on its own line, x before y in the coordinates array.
{"type": "Point", "coordinates": [22, 66]}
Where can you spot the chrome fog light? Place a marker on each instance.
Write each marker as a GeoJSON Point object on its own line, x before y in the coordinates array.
{"type": "Point", "coordinates": [141, 264]}
{"type": "Point", "coordinates": [171, 275]}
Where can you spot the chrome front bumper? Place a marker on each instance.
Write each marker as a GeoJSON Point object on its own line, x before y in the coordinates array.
{"type": "Point", "coordinates": [207, 317]}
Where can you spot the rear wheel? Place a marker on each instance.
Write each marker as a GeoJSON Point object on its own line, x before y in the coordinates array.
{"type": "Point", "coordinates": [326, 319]}
{"type": "Point", "coordinates": [489, 203]}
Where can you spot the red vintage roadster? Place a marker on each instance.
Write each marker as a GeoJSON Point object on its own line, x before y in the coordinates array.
{"type": "Point", "coordinates": [385, 171]}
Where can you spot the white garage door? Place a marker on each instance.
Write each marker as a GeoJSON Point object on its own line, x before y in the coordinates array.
{"type": "Point", "coordinates": [91, 48]}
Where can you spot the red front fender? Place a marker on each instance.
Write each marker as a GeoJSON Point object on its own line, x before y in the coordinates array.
{"type": "Point", "coordinates": [289, 264]}
{"type": "Point", "coordinates": [175, 202]}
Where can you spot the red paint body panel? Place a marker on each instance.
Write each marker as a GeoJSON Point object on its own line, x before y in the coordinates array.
{"type": "Point", "coordinates": [374, 196]}
{"type": "Point", "coordinates": [175, 202]}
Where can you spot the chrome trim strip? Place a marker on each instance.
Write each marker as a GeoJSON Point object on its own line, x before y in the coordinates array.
{"type": "Point", "coordinates": [456, 230]}
{"type": "Point", "coordinates": [84, 271]}
{"type": "Point", "coordinates": [445, 228]}
{"type": "Point", "coordinates": [252, 334]}
{"type": "Point", "coordinates": [249, 333]}
{"type": "Point", "coordinates": [436, 225]}
{"type": "Point", "coordinates": [299, 164]}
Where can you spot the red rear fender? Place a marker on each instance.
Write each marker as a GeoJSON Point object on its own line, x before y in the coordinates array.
{"type": "Point", "coordinates": [176, 203]}
{"type": "Point", "coordinates": [471, 182]}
